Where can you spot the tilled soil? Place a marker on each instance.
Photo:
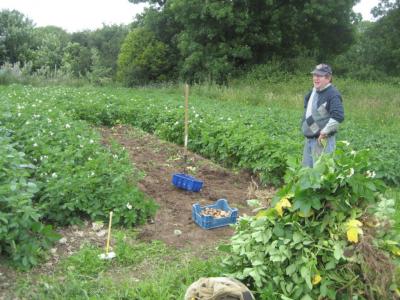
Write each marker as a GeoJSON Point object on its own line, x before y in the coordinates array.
{"type": "Point", "coordinates": [159, 160]}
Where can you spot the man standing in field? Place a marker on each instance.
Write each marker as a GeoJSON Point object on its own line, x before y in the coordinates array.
{"type": "Point", "coordinates": [323, 111]}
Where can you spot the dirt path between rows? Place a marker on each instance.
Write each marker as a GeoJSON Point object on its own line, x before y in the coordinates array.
{"type": "Point", "coordinates": [160, 160]}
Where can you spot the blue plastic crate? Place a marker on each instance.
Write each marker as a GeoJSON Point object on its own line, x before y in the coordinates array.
{"type": "Point", "coordinates": [187, 182]}
{"type": "Point", "coordinates": [209, 222]}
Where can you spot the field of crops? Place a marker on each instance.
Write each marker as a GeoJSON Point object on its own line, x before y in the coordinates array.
{"type": "Point", "coordinates": [56, 171]}
{"type": "Point", "coordinates": [255, 137]}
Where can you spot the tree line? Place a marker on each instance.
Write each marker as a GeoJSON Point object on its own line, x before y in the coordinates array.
{"type": "Point", "coordinates": [211, 40]}
{"type": "Point", "coordinates": [52, 52]}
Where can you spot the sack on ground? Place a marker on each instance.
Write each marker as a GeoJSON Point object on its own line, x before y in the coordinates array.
{"type": "Point", "coordinates": [218, 288]}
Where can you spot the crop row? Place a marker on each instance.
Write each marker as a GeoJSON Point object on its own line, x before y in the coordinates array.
{"type": "Point", "coordinates": [257, 138]}
{"type": "Point", "coordinates": [61, 174]}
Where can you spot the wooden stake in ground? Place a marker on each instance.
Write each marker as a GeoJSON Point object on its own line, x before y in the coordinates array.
{"type": "Point", "coordinates": [186, 122]}
{"type": "Point", "coordinates": [108, 255]}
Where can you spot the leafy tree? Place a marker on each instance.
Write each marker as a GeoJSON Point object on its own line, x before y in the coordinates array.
{"type": "Point", "coordinates": [216, 38]}
{"type": "Point", "coordinates": [16, 37]}
{"type": "Point", "coordinates": [98, 73]}
{"type": "Point", "coordinates": [159, 2]}
{"type": "Point", "coordinates": [81, 37]}
{"type": "Point", "coordinates": [384, 6]}
{"type": "Point", "coordinates": [142, 59]}
{"type": "Point", "coordinates": [76, 59]}
{"type": "Point", "coordinates": [166, 29]}
{"type": "Point", "coordinates": [107, 41]}
{"type": "Point", "coordinates": [51, 44]}
{"type": "Point", "coordinates": [213, 40]}
{"type": "Point", "coordinates": [354, 62]}
{"type": "Point", "coordinates": [375, 53]}
{"type": "Point", "coordinates": [383, 42]}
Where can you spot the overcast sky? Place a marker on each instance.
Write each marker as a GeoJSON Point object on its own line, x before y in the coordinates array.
{"type": "Point", "coordinates": [77, 15]}
{"type": "Point", "coordinates": [364, 7]}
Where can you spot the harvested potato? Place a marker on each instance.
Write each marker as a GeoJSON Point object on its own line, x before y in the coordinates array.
{"type": "Point", "coordinates": [215, 213]}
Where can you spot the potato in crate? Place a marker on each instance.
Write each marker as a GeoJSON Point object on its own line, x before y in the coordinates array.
{"type": "Point", "coordinates": [214, 215]}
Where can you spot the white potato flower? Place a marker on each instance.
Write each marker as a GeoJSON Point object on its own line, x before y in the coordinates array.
{"type": "Point", "coordinates": [351, 173]}
{"type": "Point", "coordinates": [346, 143]}
{"type": "Point", "coordinates": [371, 174]}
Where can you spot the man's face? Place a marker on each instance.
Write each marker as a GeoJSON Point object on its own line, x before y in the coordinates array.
{"type": "Point", "coordinates": [321, 81]}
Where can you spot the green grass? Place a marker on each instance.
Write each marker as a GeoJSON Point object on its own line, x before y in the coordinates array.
{"type": "Point", "coordinates": [140, 271]}
{"type": "Point", "coordinates": [365, 102]}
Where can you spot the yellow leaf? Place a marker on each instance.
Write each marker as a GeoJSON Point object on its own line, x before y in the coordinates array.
{"type": "Point", "coordinates": [316, 279]}
{"type": "Point", "coordinates": [279, 209]}
{"type": "Point", "coordinates": [395, 250]}
{"type": "Point", "coordinates": [352, 234]}
{"type": "Point", "coordinates": [353, 230]}
{"type": "Point", "coordinates": [284, 202]}
{"type": "Point", "coordinates": [354, 223]}
{"type": "Point", "coordinates": [260, 214]}
{"type": "Point", "coordinates": [372, 224]}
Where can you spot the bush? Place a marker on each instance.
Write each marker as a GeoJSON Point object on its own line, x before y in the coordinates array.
{"type": "Point", "coordinates": [14, 73]}
{"type": "Point", "coordinates": [279, 70]}
{"type": "Point", "coordinates": [142, 59]}
{"type": "Point", "coordinates": [274, 71]}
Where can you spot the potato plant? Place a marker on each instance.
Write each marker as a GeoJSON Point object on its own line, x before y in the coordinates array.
{"type": "Point", "coordinates": [23, 236]}
{"type": "Point", "coordinates": [327, 235]}
{"type": "Point", "coordinates": [62, 175]}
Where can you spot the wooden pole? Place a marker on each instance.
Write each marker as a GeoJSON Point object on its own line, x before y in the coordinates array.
{"type": "Point", "coordinates": [109, 233]}
{"type": "Point", "coordinates": [186, 119]}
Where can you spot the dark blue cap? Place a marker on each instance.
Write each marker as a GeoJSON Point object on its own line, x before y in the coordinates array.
{"type": "Point", "coordinates": [322, 70]}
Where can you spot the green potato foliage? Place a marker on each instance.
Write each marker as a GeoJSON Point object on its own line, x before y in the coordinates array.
{"type": "Point", "coordinates": [56, 171]}
{"type": "Point", "coordinates": [23, 236]}
{"type": "Point", "coordinates": [327, 235]}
